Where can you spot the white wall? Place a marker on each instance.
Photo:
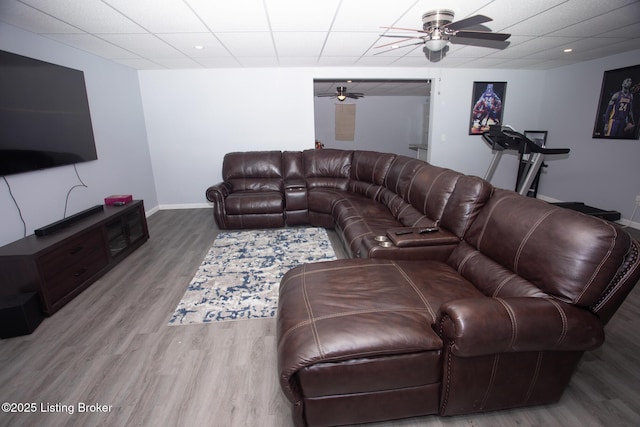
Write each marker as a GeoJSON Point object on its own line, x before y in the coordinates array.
{"type": "Point", "coordinates": [194, 117]}
{"type": "Point", "coordinates": [599, 172]}
{"type": "Point", "coordinates": [383, 123]}
{"type": "Point", "coordinates": [123, 165]}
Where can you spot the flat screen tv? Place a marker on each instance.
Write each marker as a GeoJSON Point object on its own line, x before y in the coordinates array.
{"type": "Point", "coordinates": [44, 115]}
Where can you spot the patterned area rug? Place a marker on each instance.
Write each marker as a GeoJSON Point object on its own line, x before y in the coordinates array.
{"type": "Point", "coordinates": [240, 275]}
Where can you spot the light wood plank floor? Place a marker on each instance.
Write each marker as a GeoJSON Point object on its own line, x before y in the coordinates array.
{"type": "Point", "coordinates": [112, 346]}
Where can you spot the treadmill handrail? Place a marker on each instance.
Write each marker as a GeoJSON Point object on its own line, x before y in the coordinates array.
{"type": "Point", "coordinates": [501, 139]}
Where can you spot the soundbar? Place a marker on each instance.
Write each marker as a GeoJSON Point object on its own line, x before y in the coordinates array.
{"type": "Point", "coordinates": [63, 223]}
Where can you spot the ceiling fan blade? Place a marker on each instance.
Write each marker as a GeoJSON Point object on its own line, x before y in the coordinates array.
{"type": "Point", "coordinates": [399, 47]}
{"type": "Point", "coordinates": [405, 29]}
{"type": "Point", "coordinates": [484, 35]}
{"type": "Point", "coordinates": [468, 22]}
{"type": "Point", "coordinates": [323, 95]}
{"type": "Point", "coordinates": [396, 42]}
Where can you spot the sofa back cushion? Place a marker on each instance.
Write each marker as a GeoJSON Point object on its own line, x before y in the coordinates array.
{"type": "Point", "coordinates": [563, 253]}
{"type": "Point", "coordinates": [253, 171]}
{"type": "Point", "coordinates": [368, 171]}
{"type": "Point", "coordinates": [293, 165]}
{"type": "Point", "coordinates": [327, 168]}
{"type": "Point", "coordinates": [469, 195]}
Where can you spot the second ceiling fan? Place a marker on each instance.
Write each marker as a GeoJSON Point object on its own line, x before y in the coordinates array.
{"type": "Point", "coordinates": [341, 94]}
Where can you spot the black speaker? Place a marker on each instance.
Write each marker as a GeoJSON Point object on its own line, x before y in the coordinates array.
{"type": "Point", "coordinates": [19, 314]}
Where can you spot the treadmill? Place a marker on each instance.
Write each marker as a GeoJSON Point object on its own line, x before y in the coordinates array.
{"type": "Point", "coordinates": [504, 138]}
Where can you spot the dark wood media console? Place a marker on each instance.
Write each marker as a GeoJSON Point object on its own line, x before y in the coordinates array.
{"type": "Point", "coordinates": [61, 265]}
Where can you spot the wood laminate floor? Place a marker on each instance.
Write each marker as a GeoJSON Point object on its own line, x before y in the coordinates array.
{"type": "Point", "coordinates": [111, 346]}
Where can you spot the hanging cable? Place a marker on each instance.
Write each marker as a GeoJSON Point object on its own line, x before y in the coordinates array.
{"type": "Point", "coordinates": [82, 184]}
{"type": "Point", "coordinates": [24, 224]}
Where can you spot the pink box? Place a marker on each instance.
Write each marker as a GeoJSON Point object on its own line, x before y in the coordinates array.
{"type": "Point", "coordinates": [118, 199]}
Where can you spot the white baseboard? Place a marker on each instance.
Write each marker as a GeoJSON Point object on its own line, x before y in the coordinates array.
{"type": "Point", "coordinates": [186, 206]}
{"type": "Point", "coordinates": [177, 206]}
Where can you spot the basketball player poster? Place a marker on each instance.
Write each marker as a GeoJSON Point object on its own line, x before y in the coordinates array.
{"type": "Point", "coordinates": [619, 107]}
{"type": "Point", "coordinates": [487, 104]}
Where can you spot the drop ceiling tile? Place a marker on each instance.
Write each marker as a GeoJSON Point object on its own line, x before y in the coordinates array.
{"type": "Point", "coordinates": [533, 46]}
{"type": "Point", "coordinates": [231, 16]}
{"type": "Point", "coordinates": [296, 15]}
{"type": "Point", "coordinates": [298, 61]}
{"type": "Point", "coordinates": [178, 63]}
{"type": "Point", "coordinates": [92, 44]}
{"type": "Point", "coordinates": [258, 62]}
{"type": "Point", "coordinates": [174, 16]}
{"type": "Point", "coordinates": [506, 12]}
{"type": "Point", "coordinates": [145, 45]}
{"type": "Point", "coordinates": [369, 15]}
{"type": "Point", "coordinates": [602, 47]}
{"type": "Point", "coordinates": [219, 62]}
{"type": "Point", "coordinates": [92, 16]}
{"type": "Point", "coordinates": [139, 64]}
{"type": "Point", "coordinates": [622, 17]}
{"type": "Point", "coordinates": [30, 19]}
{"type": "Point", "coordinates": [578, 45]}
{"type": "Point", "coordinates": [187, 42]}
{"type": "Point", "coordinates": [337, 61]}
{"type": "Point", "coordinates": [377, 61]}
{"type": "Point", "coordinates": [562, 16]}
{"type": "Point", "coordinates": [258, 44]}
{"type": "Point", "coordinates": [299, 43]}
{"type": "Point", "coordinates": [630, 31]}
{"type": "Point", "coordinates": [349, 44]}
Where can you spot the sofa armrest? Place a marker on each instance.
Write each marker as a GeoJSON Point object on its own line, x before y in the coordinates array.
{"type": "Point", "coordinates": [408, 237]}
{"type": "Point", "coordinates": [483, 326]}
{"type": "Point", "coordinates": [217, 193]}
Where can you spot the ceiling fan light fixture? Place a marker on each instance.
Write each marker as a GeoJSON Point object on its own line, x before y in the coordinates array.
{"type": "Point", "coordinates": [436, 45]}
{"type": "Point", "coordinates": [341, 93]}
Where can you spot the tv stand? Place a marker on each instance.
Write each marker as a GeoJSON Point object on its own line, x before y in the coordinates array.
{"type": "Point", "coordinates": [59, 225]}
{"type": "Point", "coordinates": [60, 265]}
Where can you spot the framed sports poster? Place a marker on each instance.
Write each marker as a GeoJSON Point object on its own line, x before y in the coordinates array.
{"type": "Point", "coordinates": [487, 106]}
{"type": "Point", "coordinates": [619, 107]}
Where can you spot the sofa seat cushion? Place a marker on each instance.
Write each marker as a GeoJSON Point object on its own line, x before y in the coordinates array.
{"type": "Point", "coordinates": [254, 202]}
{"type": "Point", "coordinates": [361, 309]}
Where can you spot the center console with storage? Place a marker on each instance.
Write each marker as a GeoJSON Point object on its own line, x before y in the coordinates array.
{"type": "Point", "coordinates": [60, 265]}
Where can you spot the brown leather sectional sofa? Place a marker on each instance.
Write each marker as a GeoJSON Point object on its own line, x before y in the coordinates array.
{"type": "Point", "coordinates": [492, 311]}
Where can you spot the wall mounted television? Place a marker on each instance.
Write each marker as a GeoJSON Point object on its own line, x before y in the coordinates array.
{"type": "Point", "coordinates": [45, 120]}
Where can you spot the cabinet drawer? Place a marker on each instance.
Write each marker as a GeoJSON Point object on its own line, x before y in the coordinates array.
{"type": "Point", "coordinates": [72, 252]}
{"type": "Point", "coordinates": [66, 279]}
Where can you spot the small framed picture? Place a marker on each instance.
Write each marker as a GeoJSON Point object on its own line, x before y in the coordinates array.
{"type": "Point", "coordinates": [618, 112]}
{"type": "Point", "coordinates": [487, 106]}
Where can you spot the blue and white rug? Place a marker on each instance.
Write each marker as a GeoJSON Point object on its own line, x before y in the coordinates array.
{"type": "Point", "coordinates": [240, 275]}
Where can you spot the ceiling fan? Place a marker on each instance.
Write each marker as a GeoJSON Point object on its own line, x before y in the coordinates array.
{"type": "Point", "coordinates": [341, 94]}
{"type": "Point", "coordinates": [438, 29]}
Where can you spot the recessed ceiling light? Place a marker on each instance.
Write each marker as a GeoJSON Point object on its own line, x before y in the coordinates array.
{"type": "Point", "coordinates": [199, 47]}
{"type": "Point", "coordinates": [568, 50]}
